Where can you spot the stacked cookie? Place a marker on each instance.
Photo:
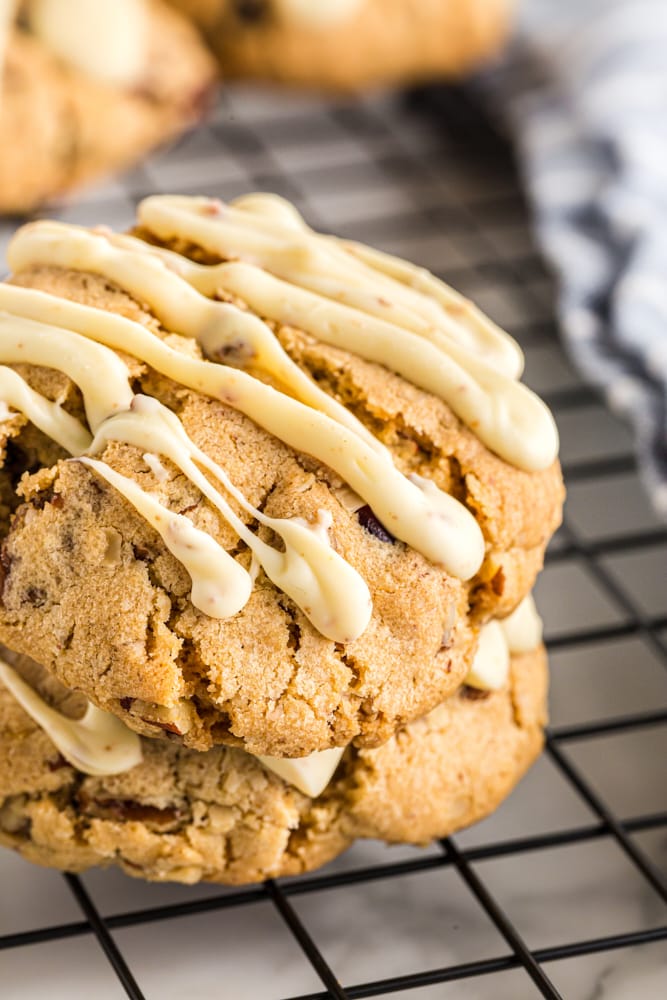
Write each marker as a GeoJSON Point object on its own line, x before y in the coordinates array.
{"type": "Point", "coordinates": [89, 87]}
{"type": "Point", "coordinates": [273, 506]}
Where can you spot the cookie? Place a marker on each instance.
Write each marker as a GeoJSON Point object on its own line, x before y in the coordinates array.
{"type": "Point", "coordinates": [86, 89]}
{"type": "Point", "coordinates": [221, 816]}
{"type": "Point", "coordinates": [350, 44]}
{"type": "Point", "coordinates": [325, 581]}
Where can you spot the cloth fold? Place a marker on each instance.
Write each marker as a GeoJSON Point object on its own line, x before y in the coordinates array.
{"type": "Point", "coordinates": [583, 88]}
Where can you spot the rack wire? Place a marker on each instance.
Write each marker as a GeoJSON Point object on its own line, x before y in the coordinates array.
{"type": "Point", "coordinates": [426, 172]}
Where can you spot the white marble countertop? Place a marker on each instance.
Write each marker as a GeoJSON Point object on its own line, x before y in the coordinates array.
{"type": "Point", "coordinates": [383, 173]}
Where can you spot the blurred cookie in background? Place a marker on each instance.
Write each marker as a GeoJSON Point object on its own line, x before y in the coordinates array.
{"type": "Point", "coordinates": [350, 44]}
{"type": "Point", "coordinates": [87, 88]}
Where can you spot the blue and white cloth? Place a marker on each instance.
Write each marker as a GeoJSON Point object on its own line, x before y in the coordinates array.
{"type": "Point", "coordinates": [584, 89]}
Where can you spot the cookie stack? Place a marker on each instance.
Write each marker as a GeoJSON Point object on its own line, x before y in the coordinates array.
{"type": "Point", "coordinates": [273, 505]}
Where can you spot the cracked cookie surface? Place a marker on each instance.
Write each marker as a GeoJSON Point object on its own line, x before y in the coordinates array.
{"type": "Point", "coordinates": [220, 816]}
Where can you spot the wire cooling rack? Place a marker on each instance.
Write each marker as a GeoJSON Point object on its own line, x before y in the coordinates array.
{"type": "Point", "coordinates": [560, 893]}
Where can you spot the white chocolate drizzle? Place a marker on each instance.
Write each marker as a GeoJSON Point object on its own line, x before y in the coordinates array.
{"type": "Point", "coordinates": [224, 332]}
{"type": "Point", "coordinates": [266, 231]}
{"type": "Point", "coordinates": [326, 588]}
{"type": "Point", "coordinates": [220, 585]}
{"type": "Point", "coordinates": [23, 341]}
{"type": "Point", "coordinates": [308, 569]}
{"type": "Point", "coordinates": [369, 303]}
{"type": "Point", "coordinates": [430, 521]}
{"type": "Point", "coordinates": [329, 289]}
{"type": "Point", "coordinates": [97, 744]}
{"type": "Point", "coordinates": [61, 426]}
{"type": "Point", "coordinates": [156, 467]}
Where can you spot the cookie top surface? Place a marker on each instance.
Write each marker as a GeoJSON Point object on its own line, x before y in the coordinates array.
{"type": "Point", "coordinates": [288, 550]}
{"type": "Point", "coordinates": [220, 816]}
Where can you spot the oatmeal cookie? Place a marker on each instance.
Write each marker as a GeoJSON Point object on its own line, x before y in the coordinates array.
{"type": "Point", "coordinates": [346, 45]}
{"type": "Point", "coordinates": [64, 121]}
{"type": "Point", "coordinates": [220, 816]}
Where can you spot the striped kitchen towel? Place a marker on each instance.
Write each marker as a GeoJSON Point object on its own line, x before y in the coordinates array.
{"type": "Point", "coordinates": [584, 90]}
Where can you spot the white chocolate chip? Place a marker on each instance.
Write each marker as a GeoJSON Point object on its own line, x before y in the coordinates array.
{"type": "Point", "coordinates": [490, 666]}
{"type": "Point", "coordinates": [113, 549]}
{"type": "Point", "coordinates": [311, 774]}
{"type": "Point", "coordinates": [523, 628]}
{"type": "Point", "coordinates": [106, 39]}
{"type": "Point", "coordinates": [317, 13]}
{"type": "Point", "coordinates": [348, 499]}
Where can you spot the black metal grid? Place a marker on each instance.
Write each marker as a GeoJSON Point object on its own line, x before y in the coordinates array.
{"type": "Point", "coordinates": [439, 168]}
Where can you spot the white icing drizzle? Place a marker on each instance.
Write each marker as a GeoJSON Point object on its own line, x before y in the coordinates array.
{"type": "Point", "coordinates": [326, 588]}
{"type": "Point", "coordinates": [105, 39]}
{"type": "Point", "coordinates": [520, 632]}
{"type": "Point", "coordinates": [97, 744]}
{"type": "Point", "coordinates": [267, 231]}
{"type": "Point", "coordinates": [61, 426]}
{"type": "Point", "coordinates": [156, 467]}
{"type": "Point", "coordinates": [470, 366]}
{"type": "Point", "coordinates": [99, 373]}
{"type": "Point", "coordinates": [430, 521]}
{"type": "Point", "coordinates": [371, 304]}
{"type": "Point", "coordinates": [223, 331]}
{"type": "Point", "coordinates": [220, 585]}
